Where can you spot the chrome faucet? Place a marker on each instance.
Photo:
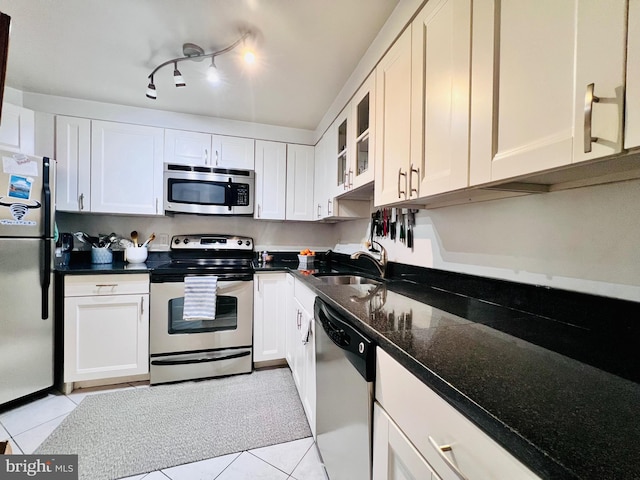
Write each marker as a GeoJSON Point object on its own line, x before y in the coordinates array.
{"type": "Point", "coordinates": [381, 264]}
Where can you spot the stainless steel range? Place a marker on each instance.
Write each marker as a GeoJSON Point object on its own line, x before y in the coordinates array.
{"type": "Point", "coordinates": [183, 348]}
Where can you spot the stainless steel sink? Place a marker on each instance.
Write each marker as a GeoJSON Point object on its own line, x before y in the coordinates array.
{"type": "Point", "coordinates": [347, 280]}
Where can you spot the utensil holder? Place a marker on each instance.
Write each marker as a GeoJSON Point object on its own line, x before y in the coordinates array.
{"type": "Point", "coordinates": [135, 254]}
{"type": "Point", "coordinates": [101, 255]}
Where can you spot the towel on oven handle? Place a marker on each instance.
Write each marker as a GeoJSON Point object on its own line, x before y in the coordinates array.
{"type": "Point", "coordinates": [200, 297]}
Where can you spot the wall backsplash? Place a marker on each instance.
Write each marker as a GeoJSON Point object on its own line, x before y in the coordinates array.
{"type": "Point", "coordinates": [586, 239]}
{"type": "Point", "coordinates": [267, 235]}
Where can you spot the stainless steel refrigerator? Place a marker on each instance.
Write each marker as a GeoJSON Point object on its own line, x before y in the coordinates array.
{"type": "Point", "coordinates": [26, 274]}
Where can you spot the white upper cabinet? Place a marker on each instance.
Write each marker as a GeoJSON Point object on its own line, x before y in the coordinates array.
{"type": "Point", "coordinates": [271, 180]}
{"type": "Point", "coordinates": [540, 57]}
{"type": "Point", "coordinates": [189, 148]}
{"type": "Point", "coordinates": [341, 152]}
{"type": "Point", "coordinates": [126, 168]}
{"type": "Point", "coordinates": [321, 199]}
{"type": "Point", "coordinates": [232, 152]}
{"type": "Point", "coordinates": [17, 129]}
{"type": "Point", "coordinates": [440, 98]}
{"type": "Point", "coordinates": [632, 111]}
{"type": "Point", "coordinates": [362, 134]}
{"type": "Point", "coordinates": [73, 155]}
{"type": "Point", "coordinates": [393, 119]}
{"type": "Point", "coordinates": [300, 172]}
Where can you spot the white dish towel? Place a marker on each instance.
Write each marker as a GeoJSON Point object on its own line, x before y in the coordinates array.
{"type": "Point", "coordinates": [200, 297]}
{"type": "Point", "coordinates": [305, 329]}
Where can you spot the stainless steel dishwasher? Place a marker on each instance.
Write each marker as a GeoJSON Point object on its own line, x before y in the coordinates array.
{"type": "Point", "coordinates": [345, 371]}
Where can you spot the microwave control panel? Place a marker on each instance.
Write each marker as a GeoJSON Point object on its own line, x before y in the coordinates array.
{"type": "Point", "coordinates": [241, 194]}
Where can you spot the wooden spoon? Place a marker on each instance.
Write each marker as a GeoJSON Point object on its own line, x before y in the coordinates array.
{"type": "Point", "coordinates": [134, 238]}
{"type": "Point", "coordinates": [151, 238]}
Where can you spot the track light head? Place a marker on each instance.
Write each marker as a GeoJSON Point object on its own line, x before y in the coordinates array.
{"type": "Point", "coordinates": [213, 75]}
{"type": "Point", "coordinates": [151, 90]}
{"type": "Point", "coordinates": [177, 76]}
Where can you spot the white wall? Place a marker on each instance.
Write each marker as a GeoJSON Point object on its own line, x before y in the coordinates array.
{"type": "Point", "coordinates": [272, 236]}
{"type": "Point", "coordinates": [586, 239]}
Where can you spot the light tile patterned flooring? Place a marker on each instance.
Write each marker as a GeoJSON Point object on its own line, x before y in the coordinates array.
{"type": "Point", "coordinates": [28, 425]}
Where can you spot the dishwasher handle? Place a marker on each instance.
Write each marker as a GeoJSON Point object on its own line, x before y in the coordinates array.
{"type": "Point", "coordinates": [358, 349]}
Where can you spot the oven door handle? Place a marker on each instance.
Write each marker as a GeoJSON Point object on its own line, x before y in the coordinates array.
{"type": "Point", "coordinates": [200, 360]}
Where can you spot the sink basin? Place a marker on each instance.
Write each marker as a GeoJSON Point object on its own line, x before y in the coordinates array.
{"type": "Point", "coordinates": [347, 280]}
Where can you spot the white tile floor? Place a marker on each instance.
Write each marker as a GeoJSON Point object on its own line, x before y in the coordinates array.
{"type": "Point", "coordinates": [28, 425]}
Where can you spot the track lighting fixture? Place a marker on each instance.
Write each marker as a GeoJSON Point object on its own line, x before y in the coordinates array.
{"type": "Point", "coordinates": [194, 52]}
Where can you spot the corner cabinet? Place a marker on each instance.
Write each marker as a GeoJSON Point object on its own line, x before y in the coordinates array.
{"type": "Point", "coordinates": [300, 175]}
{"type": "Point", "coordinates": [269, 316]}
{"type": "Point", "coordinates": [126, 168]}
{"type": "Point", "coordinates": [417, 434]}
{"type": "Point", "coordinates": [106, 327]}
{"type": "Point", "coordinates": [542, 64]}
{"type": "Point", "coordinates": [271, 180]}
{"type": "Point", "coordinates": [73, 156]}
{"type": "Point", "coordinates": [17, 129]}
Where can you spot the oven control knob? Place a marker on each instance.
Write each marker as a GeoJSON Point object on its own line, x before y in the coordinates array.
{"type": "Point", "coordinates": [185, 241]}
{"type": "Point", "coordinates": [239, 242]}
{"type": "Point", "coordinates": [176, 241]}
{"type": "Point", "coordinates": [247, 243]}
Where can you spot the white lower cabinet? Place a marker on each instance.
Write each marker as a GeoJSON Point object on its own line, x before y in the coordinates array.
{"type": "Point", "coordinates": [301, 356]}
{"type": "Point", "coordinates": [106, 326]}
{"type": "Point", "coordinates": [394, 457]}
{"type": "Point", "coordinates": [269, 316]}
{"type": "Point", "coordinates": [452, 446]}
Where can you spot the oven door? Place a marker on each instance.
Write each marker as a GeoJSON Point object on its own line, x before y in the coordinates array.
{"type": "Point", "coordinates": [232, 328]}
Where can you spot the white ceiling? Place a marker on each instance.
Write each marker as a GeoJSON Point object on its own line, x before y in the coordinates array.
{"type": "Point", "coordinates": [104, 50]}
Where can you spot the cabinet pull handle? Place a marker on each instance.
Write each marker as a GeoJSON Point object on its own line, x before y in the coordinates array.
{"type": "Point", "coordinates": [589, 100]}
{"type": "Point", "coordinates": [156, 204]}
{"type": "Point", "coordinates": [351, 178]}
{"type": "Point", "coordinates": [206, 156]}
{"type": "Point", "coordinates": [81, 201]}
{"type": "Point", "coordinates": [402, 192]}
{"type": "Point", "coordinates": [329, 212]}
{"type": "Point", "coordinates": [345, 183]}
{"type": "Point", "coordinates": [112, 285]}
{"type": "Point", "coordinates": [217, 156]}
{"type": "Point", "coordinates": [319, 210]}
{"type": "Point", "coordinates": [447, 448]}
{"type": "Point", "coordinates": [411, 172]}
{"type": "Point", "coordinates": [258, 210]}
{"type": "Point", "coordinates": [299, 319]}
{"type": "Point", "coordinates": [141, 307]}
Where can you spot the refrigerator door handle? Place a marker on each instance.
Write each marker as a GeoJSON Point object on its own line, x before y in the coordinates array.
{"type": "Point", "coordinates": [46, 258]}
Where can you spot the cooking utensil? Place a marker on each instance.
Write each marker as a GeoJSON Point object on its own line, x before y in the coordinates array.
{"type": "Point", "coordinates": [134, 238]}
{"type": "Point", "coordinates": [151, 238]}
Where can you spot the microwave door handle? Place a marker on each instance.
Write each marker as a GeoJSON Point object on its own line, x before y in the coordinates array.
{"type": "Point", "coordinates": [229, 196]}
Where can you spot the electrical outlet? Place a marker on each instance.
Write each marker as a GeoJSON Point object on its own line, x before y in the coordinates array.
{"type": "Point", "coordinates": [163, 239]}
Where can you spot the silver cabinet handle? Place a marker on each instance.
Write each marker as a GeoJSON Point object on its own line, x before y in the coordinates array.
{"type": "Point", "coordinates": [589, 100]}
{"type": "Point", "coordinates": [217, 157]}
{"type": "Point", "coordinates": [299, 319]}
{"type": "Point", "coordinates": [112, 285]}
{"type": "Point", "coordinates": [351, 178]}
{"type": "Point", "coordinates": [81, 201]}
{"type": "Point", "coordinates": [447, 448]}
{"type": "Point", "coordinates": [259, 211]}
{"type": "Point", "coordinates": [345, 184]}
{"type": "Point", "coordinates": [319, 210]}
{"type": "Point", "coordinates": [411, 172]}
{"type": "Point", "coordinates": [206, 156]}
{"type": "Point", "coordinates": [329, 205]}
{"type": "Point", "coordinates": [156, 204]}
{"type": "Point", "coordinates": [141, 307]}
{"type": "Point", "coordinates": [402, 192]}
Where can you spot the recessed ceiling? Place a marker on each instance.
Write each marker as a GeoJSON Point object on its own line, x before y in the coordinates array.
{"type": "Point", "coordinates": [104, 50]}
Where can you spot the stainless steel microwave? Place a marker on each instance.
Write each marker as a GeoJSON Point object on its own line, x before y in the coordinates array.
{"type": "Point", "coordinates": [208, 190]}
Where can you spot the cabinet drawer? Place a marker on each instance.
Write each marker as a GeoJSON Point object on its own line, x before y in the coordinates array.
{"type": "Point", "coordinates": [305, 295]}
{"type": "Point", "coordinates": [429, 421]}
{"type": "Point", "coordinates": [116, 284]}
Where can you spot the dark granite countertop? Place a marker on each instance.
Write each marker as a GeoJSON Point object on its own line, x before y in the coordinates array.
{"type": "Point", "coordinates": [552, 376]}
